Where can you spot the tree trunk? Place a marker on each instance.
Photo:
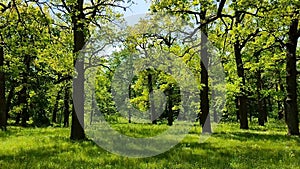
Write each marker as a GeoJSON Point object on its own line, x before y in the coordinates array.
{"type": "Point", "coordinates": [3, 118]}
{"type": "Point", "coordinates": [261, 120]}
{"type": "Point", "coordinates": [291, 80]}
{"type": "Point", "coordinates": [266, 109]}
{"type": "Point", "coordinates": [216, 118]}
{"type": "Point", "coordinates": [66, 107]}
{"type": "Point", "coordinates": [151, 98]}
{"type": "Point", "coordinates": [77, 128]}
{"type": "Point", "coordinates": [242, 98]}
{"type": "Point", "coordinates": [170, 106]}
{"type": "Point", "coordinates": [92, 108]}
{"type": "Point", "coordinates": [55, 109]}
{"type": "Point", "coordinates": [23, 102]}
{"type": "Point", "coordinates": [237, 102]}
{"type": "Point", "coordinates": [9, 98]}
{"type": "Point", "coordinates": [204, 100]}
{"type": "Point", "coordinates": [18, 118]}
{"type": "Point", "coordinates": [280, 111]}
{"type": "Point", "coordinates": [284, 102]}
{"type": "Point", "coordinates": [24, 93]}
{"type": "Point", "coordinates": [242, 106]}
{"type": "Point", "coordinates": [129, 94]}
{"type": "Point", "coordinates": [279, 106]}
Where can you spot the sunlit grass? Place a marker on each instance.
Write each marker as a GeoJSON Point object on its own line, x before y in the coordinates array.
{"type": "Point", "coordinates": [228, 147]}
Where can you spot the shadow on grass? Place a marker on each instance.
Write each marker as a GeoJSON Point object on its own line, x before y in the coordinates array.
{"type": "Point", "coordinates": [208, 155]}
{"type": "Point", "coordinates": [87, 154]}
{"type": "Point", "coordinates": [245, 136]}
{"type": "Point", "coordinates": [59, 152]}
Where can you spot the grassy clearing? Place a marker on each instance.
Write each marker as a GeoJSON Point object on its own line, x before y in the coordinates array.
{"type": "Point", "coordinates": [229, 147]}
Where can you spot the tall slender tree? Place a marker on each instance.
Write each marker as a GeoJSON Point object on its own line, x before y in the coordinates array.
{"type": "Point", "coordinates": [3, 114]}
{"type": "Point", "coordinates": [83, 14]}
{"type": "Point", "coordinates": [3, 118]}
{"type": "Point", "coordinates": [207, 14]}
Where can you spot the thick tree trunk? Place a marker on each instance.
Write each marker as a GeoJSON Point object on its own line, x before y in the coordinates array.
{"type": "Point", "coordinates": [242, 106]}
{"type": "Point", "coordinates": [204, 105]}
{"type": "Point", "coordinates": [204, 100]}
{"type": "Point", "coordinates": [3, 118]}
{"type": "Point", "coordinates": [291, 80]}
{"type": "Point", "coordinates": [242, 98]}
{"type": "Point", "coordinates": [77, 128]}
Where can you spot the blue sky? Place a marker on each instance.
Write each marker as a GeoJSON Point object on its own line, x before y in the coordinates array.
{"type": "Point", "coordinates": [136, 11]}
{"type": "Point", "coordinates": [140, 7]}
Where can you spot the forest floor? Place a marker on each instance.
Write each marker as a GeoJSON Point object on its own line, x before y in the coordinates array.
{"type": "Point", "coordinates": [229, 147]}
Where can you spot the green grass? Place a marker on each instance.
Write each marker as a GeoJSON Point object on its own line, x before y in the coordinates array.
{"type": "Point", "coordinates": [228, 147]}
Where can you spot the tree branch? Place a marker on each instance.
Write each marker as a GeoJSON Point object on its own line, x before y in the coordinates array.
{"type": "Point", "coordinates": [62, 79]}
{"type": "Point", "coordinates": [252, 35]}
{"type": "Point", "coordinates": [5, 7]}
{"type": "Point", "coordinates": [221, 6]}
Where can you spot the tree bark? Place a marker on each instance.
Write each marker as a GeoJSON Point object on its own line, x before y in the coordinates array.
{"type": "Point", "coordinates": [237, 102]}
{"type": "Point", "coordinates": [151, 99]}
{"type": "Point", "coordinates": [92, 108]}
{"type": "Point", "coordinates": [279, 110]}
{"type": "Point", "coordinates": [266, 108]}
{"type": "Point", "coordinates": [260, 108]}
{"type": "Point", "coordinates": [291, 80]}
{"type": "Point", "coordinates": [23, 101]}
{"type": "Point", "coordinates": [66, 107]}
{"type": "Point", "coordinates": [281, 104]}
{"type": "Point", "coordinates": [216, 118]}
{"type": "Point", "coordinates": [24, 93]}
{"type": "Point", "coordinates": [242, 106]}
{"type": "Point", "coordinates": [9, 99]}
{"type": "Point", "coordinates": [129, 95]}
{"type": "Point", "coordinates": [55, 109]}
{"type": "Point", "coordinates": [3, 117]}
{"type": "Point", "coordinates": [170, 106]}
{"type": "Point", "coordinates": [204, 100]}
{"type": "Point", "coordinates": [77, 128]}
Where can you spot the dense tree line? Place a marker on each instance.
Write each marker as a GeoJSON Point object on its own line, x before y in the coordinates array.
{"type": "Point", "coordinates": [257, 44]}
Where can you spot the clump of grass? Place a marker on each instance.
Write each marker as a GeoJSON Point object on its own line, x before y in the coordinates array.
{"type": "Point", "coordinates": [228, 147]}
{"type": "Point", "coordinates": [140, 130]}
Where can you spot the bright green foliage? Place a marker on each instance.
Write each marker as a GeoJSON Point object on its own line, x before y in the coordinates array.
{"type": "Point", "coordinates": [29, 67]}
{"type": "Point", "coordinates": [39, 67]}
